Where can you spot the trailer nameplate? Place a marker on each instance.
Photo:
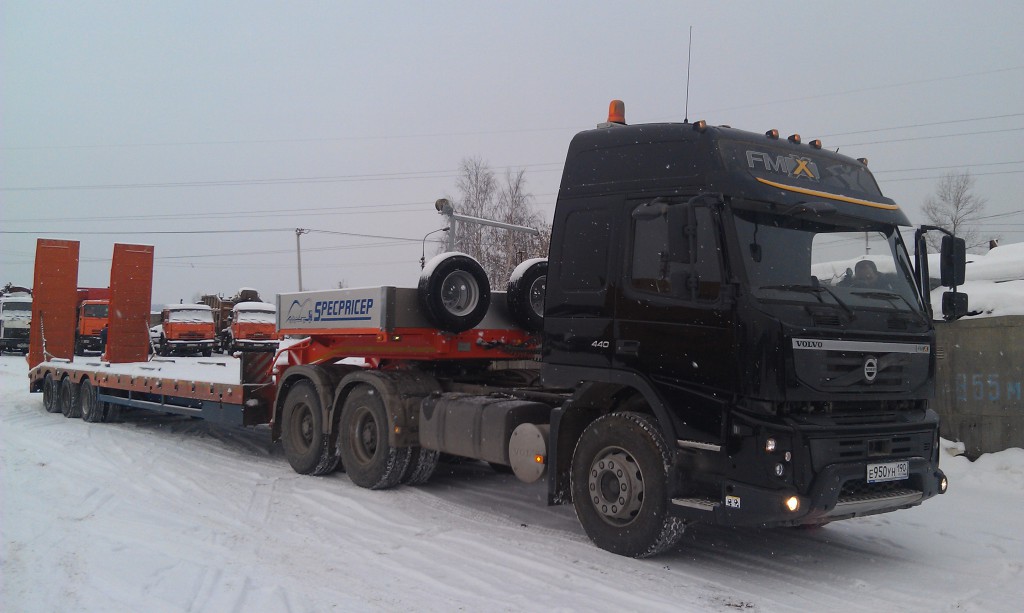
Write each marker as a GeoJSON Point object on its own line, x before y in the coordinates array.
{"type": "Point", "coordinates": [332, 309]}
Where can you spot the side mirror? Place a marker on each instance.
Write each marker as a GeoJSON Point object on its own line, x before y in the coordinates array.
{"type": "Point", "coordinates": [954, 305]}
{"type": "Point", "coordinates": [952, 263]}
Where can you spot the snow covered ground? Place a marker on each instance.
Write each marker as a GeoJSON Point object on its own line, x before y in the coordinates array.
{"type": "Point", "coordinates": [164, 513]}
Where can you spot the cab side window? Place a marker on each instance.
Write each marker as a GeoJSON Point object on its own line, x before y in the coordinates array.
{"type": "Point", "coordinates": [675, 252]}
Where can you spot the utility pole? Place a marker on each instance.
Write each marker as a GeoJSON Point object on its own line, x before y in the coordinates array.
{"type": "Point", "coordinates": [298, 251]}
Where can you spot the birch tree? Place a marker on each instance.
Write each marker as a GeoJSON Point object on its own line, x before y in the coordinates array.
{"type": "Point", "coordinates": [956, 208]}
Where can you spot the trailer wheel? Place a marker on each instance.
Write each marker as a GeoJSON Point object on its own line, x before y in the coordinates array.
{"type": "Point", "coordinates": [422, 464]}
{"type": "Point", "coordinates": [51, 394]}
{"type": "Point", "coordinates": [369, 459]}
{"type": "Point", "coordinates": [619, 486]}
{"type": "Point", "coordinates": [302, 433]}
{"type": "Point", "coordinates": [525, 297]}
{"type": "Point", "coordinates": [93, 411]}
{"type": "Point", "coordinates": [454, 292]}
{"type": "Point", "coordinates": [69, 405]}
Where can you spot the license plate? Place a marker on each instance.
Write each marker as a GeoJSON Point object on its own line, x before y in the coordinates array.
{"type": "Point", "coordinates": [890, 471]}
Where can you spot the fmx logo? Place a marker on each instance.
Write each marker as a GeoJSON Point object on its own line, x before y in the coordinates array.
{"type": "Point", "coordinates": [300, 311]}
{"type": "Point", "coordinates": [792, 166]}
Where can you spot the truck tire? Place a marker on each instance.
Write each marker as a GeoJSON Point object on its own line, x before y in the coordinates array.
{"type": "Point", "coordinates": [422, 464]}
{"type": "Point", "coordinates": [454, 292]}
{"type": "Point", "coordinates": [69, 404]}
{"type": "Point", "coordinates": [302, 433]}
{"type": "Point", "coordinates": [51, 394]}
{"type": "Point", "coordinates": [369, 459]}
{"type": "Point", "coordinates": [207, 352]}
{"type": "Point", "coordinates": [163, 349]}
{"type": "Point", "coordinates": [525, 297]}
{"type": "Point", "coordinates": [93, 411]}
{"type": "Point", "coordinates": [619, 486]}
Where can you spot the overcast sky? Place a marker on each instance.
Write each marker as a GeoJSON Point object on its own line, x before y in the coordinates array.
{"type": "Point", "coordinates": [227, 125]}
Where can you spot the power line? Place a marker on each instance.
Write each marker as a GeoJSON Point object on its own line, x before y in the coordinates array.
{"type": "Point", "coordinates": [912, 138]}
{"type": "Point", "coordinates": [922, 125]}
{"type": "Point", "coordinates": [880, 172]}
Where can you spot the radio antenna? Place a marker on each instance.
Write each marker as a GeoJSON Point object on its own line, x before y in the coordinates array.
{"type": "Point", "coordinates": [689, 48]}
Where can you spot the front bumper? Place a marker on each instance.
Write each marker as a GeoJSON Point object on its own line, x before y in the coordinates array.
{"type": "Point", "coordinates": [838, 492]}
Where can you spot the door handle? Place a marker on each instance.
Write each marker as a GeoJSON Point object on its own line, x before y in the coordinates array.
{"type": "Point", "coordinates": [630, 349]}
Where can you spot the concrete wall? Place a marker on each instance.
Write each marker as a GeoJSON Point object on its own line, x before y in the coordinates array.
{"type": "Point", "coordinates": [979, 391]}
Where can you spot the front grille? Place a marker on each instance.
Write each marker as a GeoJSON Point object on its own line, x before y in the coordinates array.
{"type": "Point", "coordinates": [192, 336]}
{"type": "Point", "coordinates": [873, 448]}
{"type": "Point", "coordinates": [20, 334]}
{"type": "Point", "coordinates": [846, 368]}
{"type": "Point", "coordinates": [860, 487]}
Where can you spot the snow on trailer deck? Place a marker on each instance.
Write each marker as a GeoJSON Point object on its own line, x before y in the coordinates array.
{"type": "Point", "coordinates": [215, 389]}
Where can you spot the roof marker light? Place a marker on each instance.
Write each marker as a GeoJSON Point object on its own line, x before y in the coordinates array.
{"type": "Point", "coordinates": [816, 143]}
{"type": "Point", "coordinates": [700, 126]}
{"type": "Point", "coordinates": [617, 112]}
{"type": "Point", "coordinates": [773, 134]}
{"type": "Point", "coordinates": [794, 138]}
{"type": "Point", "coordinates": [863, 161]}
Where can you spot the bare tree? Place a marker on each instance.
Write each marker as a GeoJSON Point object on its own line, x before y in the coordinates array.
{"type": "Point", "coordinates": [955, 208]}
{"type": "Point", "coordinates": [498, 250]}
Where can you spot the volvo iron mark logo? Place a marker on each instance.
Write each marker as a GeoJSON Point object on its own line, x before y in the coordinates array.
{"type": "Point", "coordinates": [870, 369]}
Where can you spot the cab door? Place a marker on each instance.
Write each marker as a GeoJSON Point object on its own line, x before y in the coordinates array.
{"type": "Point", "coordinates": [673, 316]}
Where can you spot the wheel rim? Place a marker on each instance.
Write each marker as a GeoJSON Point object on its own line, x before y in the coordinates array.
{"type": "Point", "coordinates": [303, 428]}
{"type": "Point", "coordinates": [536, 295]}
{"type": "Point", "coordinates": [459, 293]}
{"type": "Point", "coordinates": [366, 435]}
{"type": "Point", "coordinates": [86, 403]}
{"type": "Point", "coordinates": [616, 486]}
{"type": "Point", "coordinates": [48, 392]}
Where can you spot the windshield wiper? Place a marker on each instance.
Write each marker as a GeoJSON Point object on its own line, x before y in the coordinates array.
{"type": "Point", "coordinates": [816, 290]}
{"type": "Point", "coordinates": [890, 296]}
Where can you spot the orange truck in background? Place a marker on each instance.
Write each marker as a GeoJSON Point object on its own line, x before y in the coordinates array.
{"type": "Point", "coordinates": [186, 328]}
{"type": "Point", "coordinates": [253, 327]}
{"type": "Point", "coordinates": [92, 315]}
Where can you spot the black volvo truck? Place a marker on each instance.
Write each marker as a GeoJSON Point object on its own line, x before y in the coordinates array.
{"type": "Point", "coordinates": [747, 338]}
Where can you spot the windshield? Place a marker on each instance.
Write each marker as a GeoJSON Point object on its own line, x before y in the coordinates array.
{"type": "Point", "coordinates": [18, 306]}
{"type": "Point", "coordinates": [191, 316]}
{"type": "Point", "coordinates": [95, 310]}
{"type": "Point", "coordinates": [255, 317]}
{"type": "Point", "coordinates": [794, 259]}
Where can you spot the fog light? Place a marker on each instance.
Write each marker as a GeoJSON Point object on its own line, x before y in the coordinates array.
{"type": "Point", "coordinates": [780, 470]}
{"type": "Point", "coordinates": [769, 445]}
{"type": "Point", "coordinates": [789, 456]}
{"type": "Point", "coordinates": [943, 484]}
{"type": "Point", "coordinates": [793, 504]}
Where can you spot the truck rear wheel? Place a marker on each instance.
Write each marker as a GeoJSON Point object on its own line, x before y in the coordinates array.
{"type": "Point", "coordinates": [525, 297]}
{"type": "Point", "coordinates": [302, 433]}
{"type": "Point", "coordinates": [69, 405]}
{"type": "Point", "coordinates": [422, 464]}
{"type": "Point", "coordinates": [454, 292]}
{"type": "Point", "coordinates": [51, 394]}
{"type": "Point", "coordinates": [369, 459]}
{"type": "Point", "coordinates": [619, 486]}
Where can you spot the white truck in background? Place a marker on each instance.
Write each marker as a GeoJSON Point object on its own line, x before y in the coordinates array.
{"type": "Point", "coordinates": [15, 318]}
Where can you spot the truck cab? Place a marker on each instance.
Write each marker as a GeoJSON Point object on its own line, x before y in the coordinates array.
{"type": "Point", "coordinates": [15, 319]}
{"type": "Point", "coordinates": [92, 319]}
{"type": "Point", "coordinates": [186, 328]}
{"type": "Point", "coordinates": [709, 280]}
{"type": "Point", "coordinates": [252, 327]}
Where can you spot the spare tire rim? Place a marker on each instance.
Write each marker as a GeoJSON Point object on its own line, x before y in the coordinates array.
{"type": "Point", "coordinates": [616, 486]}
{"type": "Point", "coordinates": [536, 294]}
{"type": "Point", "coordinates": [459, 293]}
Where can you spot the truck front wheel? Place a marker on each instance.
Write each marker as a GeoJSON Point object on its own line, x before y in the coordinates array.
{"type": "Point", "coordinates": [619, 486]}
{"type": "Point", "coordinates": [369, 459]}
{"type": "Point", "coordinates": [302, 433]}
